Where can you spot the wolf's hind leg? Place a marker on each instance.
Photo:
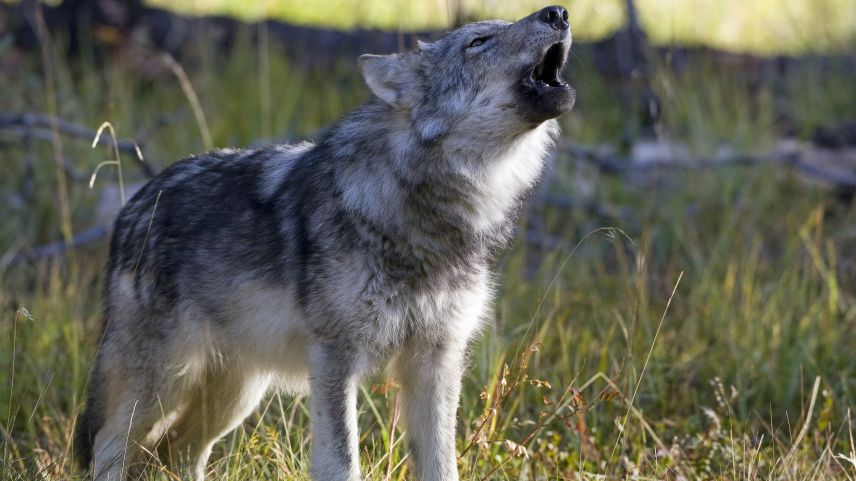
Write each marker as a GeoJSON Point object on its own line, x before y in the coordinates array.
{"type": "Point", "coordinates": [118, 443]}
{"type": "Point", "coordinates": [218, 406]}
{"type": "Point", "coordinates": [109, 452]}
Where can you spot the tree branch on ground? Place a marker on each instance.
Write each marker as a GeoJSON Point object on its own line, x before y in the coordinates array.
{"type": "Point", "coordinates": [56, 248]}
{"type": "Point", "coordinates": [608, 163]}
{"type": "Point", "coordinates": [38, 126]}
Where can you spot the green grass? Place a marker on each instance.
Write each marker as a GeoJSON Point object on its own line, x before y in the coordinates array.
{"type": "Point", "coordinates": [586, 362]}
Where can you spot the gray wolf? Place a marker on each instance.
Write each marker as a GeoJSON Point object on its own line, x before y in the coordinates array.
{"type": "Point", "coordinates": [304, 267]}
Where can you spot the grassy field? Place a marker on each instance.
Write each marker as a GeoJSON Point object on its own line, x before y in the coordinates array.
{"type": "Point", "coordinates": [709, 335]}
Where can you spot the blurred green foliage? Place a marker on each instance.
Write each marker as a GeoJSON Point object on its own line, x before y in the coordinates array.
{"type": "Point", "coordinates": [761, 26]}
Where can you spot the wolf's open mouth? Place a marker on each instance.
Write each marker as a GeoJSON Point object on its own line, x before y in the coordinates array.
{"type": "Point", "coordinates": [545, 94]}
{"type": "Point", "coordinates": [545, 76]}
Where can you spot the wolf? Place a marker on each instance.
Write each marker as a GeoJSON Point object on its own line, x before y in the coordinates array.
{"type": "Point", "coordinates": [305, 267]}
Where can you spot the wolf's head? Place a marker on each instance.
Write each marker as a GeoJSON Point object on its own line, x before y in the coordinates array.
{"type": "Point", "coordinates": [502, 76]}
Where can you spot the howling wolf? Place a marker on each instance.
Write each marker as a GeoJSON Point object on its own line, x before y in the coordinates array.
{"type": "Point", "coordinates": [304, 267]}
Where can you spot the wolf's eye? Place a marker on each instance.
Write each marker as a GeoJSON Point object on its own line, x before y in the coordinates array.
{"type": "Point", "coordinates": [478, 41]}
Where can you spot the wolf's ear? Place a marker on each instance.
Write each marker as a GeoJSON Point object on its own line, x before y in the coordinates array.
{"type": "Point", "coordinates": [392, 78]}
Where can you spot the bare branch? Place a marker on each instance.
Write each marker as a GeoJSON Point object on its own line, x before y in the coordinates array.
{"type": "Point", "coordinates": [56, 248]}
{"type": "Point", "coordinates": [38, 126]}
{"type": "Point", "coordinates": [592, 207]}
{"type": "Point", "coordinates": [610, 164]}
{"type": "Point", "coordinates": [839, 180]}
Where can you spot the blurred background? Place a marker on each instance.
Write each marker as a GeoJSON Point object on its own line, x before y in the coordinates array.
{"type": "Point", "coordinates": [680, 302]}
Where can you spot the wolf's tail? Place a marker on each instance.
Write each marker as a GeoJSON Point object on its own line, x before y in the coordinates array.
{"type": "Point", "coordinates": [90, 420]}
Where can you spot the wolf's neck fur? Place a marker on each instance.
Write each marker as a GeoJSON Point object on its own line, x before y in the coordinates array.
{"type": "Point", "coordinates": [471, 181]}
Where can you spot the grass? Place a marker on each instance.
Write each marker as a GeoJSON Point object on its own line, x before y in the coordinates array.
{"type": "Point", "coordinates": [711, 337]}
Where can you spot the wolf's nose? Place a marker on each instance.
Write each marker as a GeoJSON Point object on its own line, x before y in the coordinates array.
{"type": "Point", "coordinates": [555, 16]}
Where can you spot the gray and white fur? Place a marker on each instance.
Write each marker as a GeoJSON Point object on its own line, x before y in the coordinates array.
{"type": "Point", "coordinates": [305, 267]}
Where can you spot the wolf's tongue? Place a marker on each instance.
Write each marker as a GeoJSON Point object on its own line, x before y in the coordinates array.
{"type": "Point", "coordinates": [542, 85]}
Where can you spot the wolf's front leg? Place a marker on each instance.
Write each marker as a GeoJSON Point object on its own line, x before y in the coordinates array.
{"type": "Point", "coordinates": [333, 401]}
{"type": "Point", "coordinates": [430, 378]}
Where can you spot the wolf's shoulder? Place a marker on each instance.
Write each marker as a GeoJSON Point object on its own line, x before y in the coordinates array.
{"type": "Point", "coordinates": [216, 200]}
{"type": "Point", "coordinates": [251, 171]}
{"type": "Point", "coordinates": [235, 160]}
{"type": "Point", "coordinates": [211, 189]}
